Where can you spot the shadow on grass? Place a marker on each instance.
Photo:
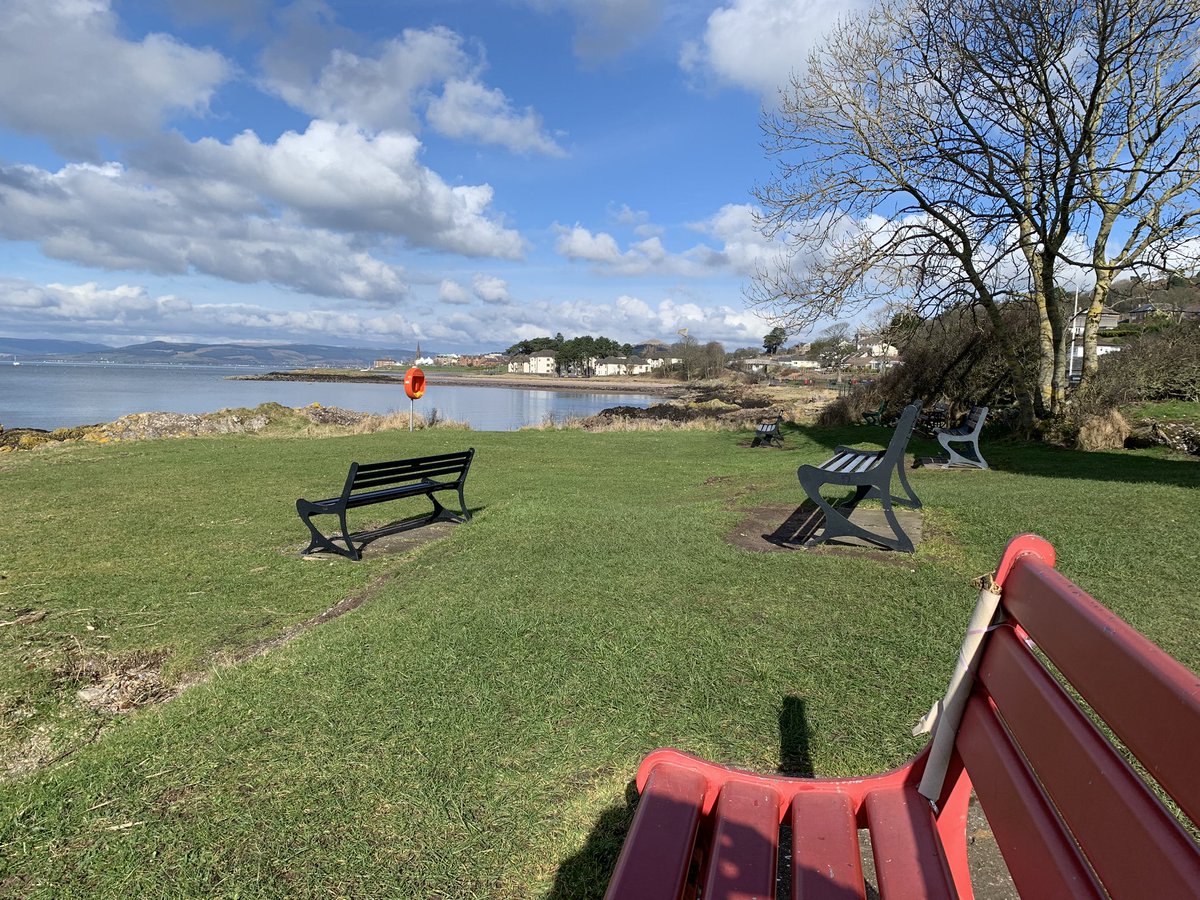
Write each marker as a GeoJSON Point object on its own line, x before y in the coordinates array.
{"type": "Point", "coordinates": [1038, 460]}
{"type": "Point", "coordinates": [586, 874]}
{"type": "Point", "coordinates": [1056, 462]}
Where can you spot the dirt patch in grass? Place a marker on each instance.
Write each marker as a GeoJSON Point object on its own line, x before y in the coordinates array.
{"type": "Point", "coordinates": [783, 528]}
{"type": "Point", "coordinates": [116, 683]}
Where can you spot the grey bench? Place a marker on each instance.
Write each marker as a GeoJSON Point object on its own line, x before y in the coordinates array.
{"type": "Point", "coordinates": [380, 482]}
{"type": "Point", "coordinates": [966, 433]}
{"type": "Point", "coordinates": [767, 432]}
{"type": "Point", "coordinates": [870, 472]}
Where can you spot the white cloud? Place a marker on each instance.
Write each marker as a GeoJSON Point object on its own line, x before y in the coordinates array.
{"type": "Point", "coordinates": [606, 27]}
{"type": "Point", "coordinates": [757, 44]}
{"type": "Point", "coordinates": [491, 289]}
{"type": "Point", "coordinates": [336, 176]}
{"type": "Point", "coordinates": [302, 212]}
{"type": "Point", "coordinates": [107, 217]}
{"type": "Point", "coordinates": [67, 74]}
{"type": "Point", "coordinates": [130, 311]}
{"type": "Point", "coordinates": [385, 92]}
{"type": "Point", "coordinates": [453, 293]}
{"type": "Point", "coordinates": [377, 93]}
{"type": "Point", "coordinates": [741, 246]}
{"type": "Point", "coordinates": [468, 109]}
{"type": "Point", "coordinates": [579, 243]}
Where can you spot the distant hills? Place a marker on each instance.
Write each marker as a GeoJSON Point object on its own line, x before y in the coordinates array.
{"type": "Point", "coordinates": [292, 356]}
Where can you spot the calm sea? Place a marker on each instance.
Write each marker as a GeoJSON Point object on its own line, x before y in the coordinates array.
{"type": "Point", "coordinates": [55, 395]}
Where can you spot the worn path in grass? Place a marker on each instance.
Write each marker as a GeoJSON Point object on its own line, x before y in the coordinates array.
{"type": "Point", "coordinates": [472, 729]}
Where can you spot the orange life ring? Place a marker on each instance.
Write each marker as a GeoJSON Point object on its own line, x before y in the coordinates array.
{"type": "Point", "coordinates": [414, 383]}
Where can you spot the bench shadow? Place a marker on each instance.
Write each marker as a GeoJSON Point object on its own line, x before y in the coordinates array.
{"type": "Point", "coordinates": [797, 528]}
{"type": "Point", "coordinates": [585, 875]}
{"type": "Point", "coordinates": [365, 537]}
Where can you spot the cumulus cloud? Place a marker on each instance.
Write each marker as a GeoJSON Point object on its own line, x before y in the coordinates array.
{"type": "Point", "coordinates": [107, 217]}
{"type": "Point", "coordinates": [302, 212]}
{"type": "Point", "coordinates": [579, 243]}
{"type": "Point", "coordinates": [67, 73]}
{"type": "Point", "coordinates": [741, 247]}
{"type": "Point", "coordinates": [491, 289]}
{"type": "Point", "coordinates": [130, 311]}
{"type": "Point", "coordinates": [338, 177]}
{"type": "Point", "coordinates": [606, 27]}
{"type": "Point", "coordinates": [469, 110]}
{"type": "Point", "coordinates": [453, 293]}
{"type": "Point", "coordinates": [757, 44]}
{"type": "Point", "coordinates": [386, 91]}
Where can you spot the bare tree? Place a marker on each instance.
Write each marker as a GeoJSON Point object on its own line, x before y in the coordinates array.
{"type": "Point", "coordinates": [954, 153]}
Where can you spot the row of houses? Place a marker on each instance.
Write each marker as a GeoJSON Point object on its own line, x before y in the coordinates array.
{"type": "Point", "coordinates": [545, 362]}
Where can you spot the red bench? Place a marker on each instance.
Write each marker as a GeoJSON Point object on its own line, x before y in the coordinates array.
{"type": "Point", "coordinates": [1071, 816]}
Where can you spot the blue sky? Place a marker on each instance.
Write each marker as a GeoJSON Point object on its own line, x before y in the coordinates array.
{"type": "Point", "coordinates": [460, 173]}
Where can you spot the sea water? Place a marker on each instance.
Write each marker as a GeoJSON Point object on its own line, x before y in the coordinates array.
{"type": "Point", "coordinates": [61, 395]}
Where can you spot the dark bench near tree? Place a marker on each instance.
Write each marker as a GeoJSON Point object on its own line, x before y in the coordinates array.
{"type": "Point", "coordinates": [870, 472]}
{"type": "Point", "coordinates": [767, 432]}
{"type": "Point", "coordinates": [1071, 816]}
{"type": "Point", "coordinates": [967, 436]}
{"type": "Point", "coordinates": [380, 482]}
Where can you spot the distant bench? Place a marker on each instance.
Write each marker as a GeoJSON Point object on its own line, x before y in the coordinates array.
{"type": "Point", "coordinates": [1071, 817]}
{"type": "Point", "coordinates": [870, 472]}
{"type": "Point", "coordinates": [967, 433]}
{"type": "Point", "coordinates": [767, 432]}
{"type": "Point", "coordinates": [384, 481]}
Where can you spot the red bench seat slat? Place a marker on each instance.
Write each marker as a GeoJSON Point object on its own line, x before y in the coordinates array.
{"type": "Point", "coordinates": [1150, 700]}
{"type": "Point", "coordinates": [909, 863]}
{"type": "Point", "coordinates": [664, 831]}
{"type": "Point", "coordinates": [1135, 846]}
{"type": "Point", "coordinates": [745, 843]}
{"type": "Point", "coordinates": [826, 861]}
{"type": "Point", "coordinates": [1041, 856]}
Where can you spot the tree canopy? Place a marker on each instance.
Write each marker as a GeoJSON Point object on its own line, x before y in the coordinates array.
{"type": "Point", "coordinates": [946, 154]}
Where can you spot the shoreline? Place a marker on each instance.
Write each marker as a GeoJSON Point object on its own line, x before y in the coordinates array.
{"type": "Point", "coordinates": [514, 382]}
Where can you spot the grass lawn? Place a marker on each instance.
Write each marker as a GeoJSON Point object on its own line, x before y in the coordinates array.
{"type": "Point", "coordinates": [471, 729]}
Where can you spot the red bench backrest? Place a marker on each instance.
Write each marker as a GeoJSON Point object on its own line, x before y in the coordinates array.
{"type": "Point", "coordinates": [1069, 813]}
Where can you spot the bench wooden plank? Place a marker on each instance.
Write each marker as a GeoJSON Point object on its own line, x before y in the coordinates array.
{"type": "Point", "coordinates": [1132, 842]}
{"type": "Point", "coordinates": [909, 862]}
{"type": "Point", "coordinates": [657, 854]}
{"type": "Point", "coordinates": [1040, 854]}
{"type": "Point", "coordinates": [745, 843]}
{"type": "Point", "coordinates": [1131, 683]}
{"type": "Point", "coordinates": [826, 860]}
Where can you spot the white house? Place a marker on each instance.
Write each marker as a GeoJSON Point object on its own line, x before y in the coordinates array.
{"type": "Point", "coordinates": [869, 344]}
{"type": "Point", "coordinates": [795, 362]}
{"type": "Point", "coordinates": [612, 365]}
{"type": "Point", "coordinates": [518, 365]}
{"type": "Point", "coordinates": [544, 362]}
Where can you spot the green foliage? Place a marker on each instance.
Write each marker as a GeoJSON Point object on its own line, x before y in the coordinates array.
{"type": "Point", "coordinates": [774, 340]}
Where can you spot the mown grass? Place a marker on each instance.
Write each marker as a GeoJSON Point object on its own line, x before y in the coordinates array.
{"type": "Point", "coordinates": [1166, 411]}
{"type": "Point", "coordinates": [472, 729]}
